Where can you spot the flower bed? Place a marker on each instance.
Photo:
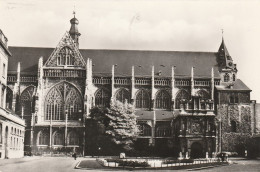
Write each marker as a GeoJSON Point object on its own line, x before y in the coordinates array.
{"type": "Point", "coordinates": [129, 163]}
{"type": "Point", "coordinates": [178, 161]}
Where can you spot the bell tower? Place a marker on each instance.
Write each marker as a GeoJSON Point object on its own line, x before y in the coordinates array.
{"type": "Point", "coordinates": [74, 32]}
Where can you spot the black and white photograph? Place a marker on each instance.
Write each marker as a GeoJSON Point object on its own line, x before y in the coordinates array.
{"type": "Point", "coordinates": [129, 85]}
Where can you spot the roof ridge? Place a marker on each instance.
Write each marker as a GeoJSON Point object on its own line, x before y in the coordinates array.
{"type": "Point", "coordinates": [122, 49]}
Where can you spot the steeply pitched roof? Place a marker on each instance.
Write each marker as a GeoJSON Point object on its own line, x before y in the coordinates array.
{"type": "Point", "coordinates": [238, 85]}
{"type": "Point", "coordinates": [142, 60]}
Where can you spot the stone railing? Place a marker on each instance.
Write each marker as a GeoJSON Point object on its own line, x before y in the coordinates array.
{"type": "Point", "coordinates": [12, 78]}
{"type": "Point", "coordinates": [182, 82]}
{"type": "Point", "coordinates": [73, 73]}
{"type": "Point", "coordinates": [101, 80]}
{"type": "Point", "coordinates": [29, 79]}
{"type": "Point", "coordinates": [143, 81]}
{"type": "Point", "coordinates": [162, 82]}
{"type": "Point", "coordinates": [122, 81]}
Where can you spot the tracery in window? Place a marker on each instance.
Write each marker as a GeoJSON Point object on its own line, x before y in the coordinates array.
{"type": "Point", "coordinates": [123, 95]}
{"type": "Point", "coordinates": [73, 138]}
{"type": "Point", "coordinates": [58, 138]}
{"type": "Point", "coordinates": [26, 103]}
{"type": "Point", "coordinates": [163, 100]}
{"type": "Point", "coordinates": [226, 77]}
{"type": "Point", "coordinates": [63, 99]}
{"type": "Point", "coordinates": [142, 99]}
{"type": "Point", "coordinates": [180, 97]}
{"type": "Point", "coordinates": [65, 57]}
{"type": "Point", "coordinates": [43, 138]}
{"type": "Point", "coordinates": [163, 131]}
{"type": "Point", "coordinates": [102, 98]}
{"type": "Point", "coordinates": [203, 96]}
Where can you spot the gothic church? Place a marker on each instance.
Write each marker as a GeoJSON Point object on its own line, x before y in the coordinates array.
{"type": "Point", "coordinates": [178, 96]}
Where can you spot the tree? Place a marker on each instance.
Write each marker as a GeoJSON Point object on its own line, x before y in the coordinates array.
{"type": "Point", "coordinates": [117, 123]}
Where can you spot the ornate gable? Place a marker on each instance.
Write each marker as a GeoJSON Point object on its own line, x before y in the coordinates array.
{"type": "Point", "coordinates": [66, 54]}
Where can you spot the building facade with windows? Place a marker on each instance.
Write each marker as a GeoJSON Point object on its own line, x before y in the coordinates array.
{"type": "Point", "coordinates": [180, 97]}
{"type": "Point", "coordinates": [11, 125]}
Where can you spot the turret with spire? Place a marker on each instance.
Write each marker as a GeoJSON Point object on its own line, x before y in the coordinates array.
{"type": "Point", "coordinates": [74, 32]}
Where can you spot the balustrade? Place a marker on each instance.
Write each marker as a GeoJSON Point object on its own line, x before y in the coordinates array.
{"type": "Point", "coordinates": [101, 80]}
{"type": "Point", "coordinates": [64, 73]}
{"type": "Point", "coordinates": [11, 78]}
{"type": "Point", "coordinates": [122, 81]}
{"type": "Point", "coordinates": [162, 82]}
{"type": "Point", "coordinates": [202, 83]}
{"type": "Point", "coordinates": [182, 82]}
{"type": "Point", "coordinates": [142, 81]}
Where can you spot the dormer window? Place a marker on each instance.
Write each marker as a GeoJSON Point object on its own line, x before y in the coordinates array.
{"type": "Point", "coordinates": [65, 57]}
{"type": "Point", "coordinates": [226, 77]}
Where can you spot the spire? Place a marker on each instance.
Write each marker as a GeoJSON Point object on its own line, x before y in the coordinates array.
{"type": "Point", "coordinates": [225, 59]}
{"type": "Point", "coordinates": [74, 32]}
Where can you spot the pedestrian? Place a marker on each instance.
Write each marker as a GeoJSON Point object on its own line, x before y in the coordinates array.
{"type": "Point", "coordinates": [75, 155]}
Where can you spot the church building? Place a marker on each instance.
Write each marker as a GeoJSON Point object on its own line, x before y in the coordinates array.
{"type": "Point", "coordinates": [182, 99]}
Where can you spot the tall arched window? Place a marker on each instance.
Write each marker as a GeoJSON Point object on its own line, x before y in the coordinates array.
{"type": "Point", "coordinates": [58, 138]}
{"type": "Point", "coordinates": [203, 96]}
{"type": "Point", "coordinates": [226, 77]}
{"type": "Point", "coordinates": [102, 98]}
{"type": "Point", "coordinates": [123, 95]}
{"type": "Point", "coordinates": [233, 126]}
{"type": "Point", "coordinates": [163, 100]}
{"type": "Point", "coordinates": [63, 96]}
{"type": "Point", "coordinates": [9, 98]}
{"type": "Point", "coordinates": [26, 103]}
{"type": "Point", "coordinates": [65, 57]}
{"type": "Point", "coordinates": [181, 96]}
{"type": "Point", "coordinates": [43, 138]}
{"type": "Point", "coordinates": [142, 99]}
{"type": "Point", "coordinates": [73, 138]}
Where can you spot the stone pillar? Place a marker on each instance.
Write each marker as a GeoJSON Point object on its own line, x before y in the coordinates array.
{"type": "Point", "coordinates": [133, 86]}
{"type": "Point", "coordinates": [212, 87]}
{"type": "Point", "coordinates": [113, 83]}
{"type": "Point", "coordinates": [192, 82]}
{"type": "Point", "coordinates": [39, 95]}
{"type": "Point", "coordinates": [174, 90]}
{"type": "Point", "coordinates": [153, 90]}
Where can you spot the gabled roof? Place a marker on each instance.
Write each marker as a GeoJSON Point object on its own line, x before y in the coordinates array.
{"type": "Point", "coordinates": [142, 60]}
{"type": "Point", "coordinates": [238, 85]}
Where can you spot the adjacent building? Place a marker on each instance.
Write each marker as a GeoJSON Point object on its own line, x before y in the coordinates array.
{"type": "Point", "coordinates": [182, 99]}
{"type": "Point", "coordinates": [11, 125]}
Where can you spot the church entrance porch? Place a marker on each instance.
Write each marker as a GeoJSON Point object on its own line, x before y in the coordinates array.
{"type": "Point", "coordinates": [196, 150]}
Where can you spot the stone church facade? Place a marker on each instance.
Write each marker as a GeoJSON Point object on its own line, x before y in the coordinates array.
{"type": "Point", "coordinates": [180, 97]}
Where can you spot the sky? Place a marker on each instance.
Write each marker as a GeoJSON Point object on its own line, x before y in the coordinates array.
{"type": "Point", "coordinates": [186, 25]}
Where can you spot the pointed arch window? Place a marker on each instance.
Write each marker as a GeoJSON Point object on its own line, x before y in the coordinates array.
{"type": "Point", "coordinates": [142, 99]}
{"type": "Point", "coordinates": [27, 103]}
{"type": "Point", "coordinates": [43, 138]}
{"type": "Point", "coordinates": [182, 96]}
{"type": "Point", "coordinates": [163, 100]}
{"type": "Point", "coordinates": [63, 98]}
{"type": "Point", "coordinates": [123, 95]}
{"type": "Point", "coordinates": [203, 96]}
{"type": "Point", "coordinates": [73, 138]}
{"type": "Point", "coordinates": [226, 77]}
{"type": "Point", "coordinates": [102, 98]}
{"type": "Point", "coordinates": [58, 138]}
{"type": "Point", "coordinates": [233, 126]}
{"type": "Point", "coordinates": [65, 57]}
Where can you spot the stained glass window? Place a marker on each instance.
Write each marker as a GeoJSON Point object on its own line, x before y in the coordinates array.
{"type": "Point", "coordinates": [163, 100]}
{"type": "Point", "coordinates": [26, 103]}
{"type": "Point", "coordinates": [73, 138]}
{"type": "Point", "coordinates": [123, 95]}
{"type": "Point", "coordinates": [43, 138]}
{"type": "Point", "coordinates": [102, 98]}
{"type": "Point", "coordinates": [181, 96]}
{"type": "Point", "coordinates": [58, 138]}
{"type": "Point", "coordinates": [142, 99]}
{"type": "Point", "coordinates": [61, 99]}
{"type": "Point", "coordinates": [9, 98]}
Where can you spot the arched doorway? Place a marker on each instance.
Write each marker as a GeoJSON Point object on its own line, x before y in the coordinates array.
{"type": "Point", "coordinates": [6, 142]}
{"type": "Point", "coordinates": [196, 150]}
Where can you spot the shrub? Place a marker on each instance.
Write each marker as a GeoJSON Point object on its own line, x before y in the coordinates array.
{"type": "Point", "coordinates": [129, 163]}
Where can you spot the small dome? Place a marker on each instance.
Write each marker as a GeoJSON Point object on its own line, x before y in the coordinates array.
{"type": "Point", "coordinates": [74, 21]}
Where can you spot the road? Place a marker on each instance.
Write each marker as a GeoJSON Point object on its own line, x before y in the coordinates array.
{"type": "Point", "coordinates": [67, 164]}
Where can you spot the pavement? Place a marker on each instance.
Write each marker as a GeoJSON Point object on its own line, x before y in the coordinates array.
{"type": "Point", "coordinates": [67, 164]}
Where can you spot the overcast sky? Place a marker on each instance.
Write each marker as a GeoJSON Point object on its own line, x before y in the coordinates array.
{"type": "Point", "coordinates": [144, 25]}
